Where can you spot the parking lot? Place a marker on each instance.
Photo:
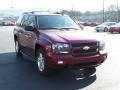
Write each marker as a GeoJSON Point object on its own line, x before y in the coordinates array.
{"type": "Point", "coordinates": [21, 74]}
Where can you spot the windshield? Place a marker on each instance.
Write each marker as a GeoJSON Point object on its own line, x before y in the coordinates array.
{"type": "Point", "coordinates": [56, 22]}
{"type": "Point", "coordinates": [109, 23]}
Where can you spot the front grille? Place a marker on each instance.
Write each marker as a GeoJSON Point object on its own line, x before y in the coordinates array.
{"type": "Point", "coordinates": [78, 49]}
{"type": "Point", "coordinates": [84, 44]}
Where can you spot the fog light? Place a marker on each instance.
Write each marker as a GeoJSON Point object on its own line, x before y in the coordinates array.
{"type": "Point", "coordinates": [102, 52]}
{"type": "Point", "coordinates": [60, 62]}
{"type": "Point", "coordinates": [105, 56]}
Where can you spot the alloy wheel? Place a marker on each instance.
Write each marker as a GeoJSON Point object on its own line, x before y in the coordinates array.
{"type": "Point", "coordinates": [41, 63]}
{"type": "Point", "coordinates": [16, 46]}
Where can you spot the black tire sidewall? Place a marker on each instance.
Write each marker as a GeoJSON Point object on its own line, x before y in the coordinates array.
{"type": "Point", "coordinates": [97, 30]}
{"type": "Point", "coordinates": [105, 29]}
{"type": "Point", "coordinates": [18, 53]}
{"type": "Point", "coordinates": [46, 69]}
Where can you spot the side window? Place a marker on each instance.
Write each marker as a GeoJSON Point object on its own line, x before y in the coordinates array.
{"type": "Point", "coordinates": [24, 21]}
{"type": "Point", "coordinates": [32, 21]}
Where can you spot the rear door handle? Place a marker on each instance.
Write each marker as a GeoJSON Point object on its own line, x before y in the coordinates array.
{"type": "Point", "coordinates": [28, 35]}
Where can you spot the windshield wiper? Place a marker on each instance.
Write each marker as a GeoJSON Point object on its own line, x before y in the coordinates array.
{"type": "Point", "coordinates": [49, 28]}
{"type": "Point", "coordinates": [70, 28]}
{"type": "Point", "coordinates": [59, 28]}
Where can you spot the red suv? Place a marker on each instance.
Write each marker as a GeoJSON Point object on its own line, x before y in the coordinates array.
{"type": "Point", "coordinates": [55, 41]}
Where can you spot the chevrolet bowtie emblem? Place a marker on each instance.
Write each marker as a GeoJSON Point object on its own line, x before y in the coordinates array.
{"type": "Point", "coordinates": [86, 48]}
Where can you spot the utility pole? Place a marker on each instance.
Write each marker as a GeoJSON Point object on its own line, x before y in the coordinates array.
{"type": "Point", "coordinates": [103, 11]}
{"type": "Point", "coordinates": [72, 10]}
{"type": "Point", "coordinates": [117, 12]}
{"type": "Point", "coordinates": [72, 7]}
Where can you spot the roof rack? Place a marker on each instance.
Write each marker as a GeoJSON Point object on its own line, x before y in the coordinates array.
{"type": "Point", "coordinates": [36, 12]}
{"type": "Point", "coordinates": [42, 12]}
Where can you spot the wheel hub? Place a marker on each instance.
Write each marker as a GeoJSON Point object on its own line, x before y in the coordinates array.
{"type": "Point", "coordinates": [40, 62]}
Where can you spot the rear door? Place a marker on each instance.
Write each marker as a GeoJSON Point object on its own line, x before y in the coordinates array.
{"type": "Point", "coordinates": [31, 35]}
{"type": "Point", "coordinates": [22, 36]}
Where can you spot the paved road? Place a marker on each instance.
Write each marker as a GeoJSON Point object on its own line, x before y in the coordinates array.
{"type": "Point", "coordinates": [21, 74]}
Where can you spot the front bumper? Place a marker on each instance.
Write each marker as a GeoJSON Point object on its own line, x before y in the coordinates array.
{"type": "Point", "coordinates": [69, 61]}
{"type": "Point", "coordinates": [99, 29]}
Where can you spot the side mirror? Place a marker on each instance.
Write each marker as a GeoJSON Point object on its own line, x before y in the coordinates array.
{"type": "Point", "coordinates": [29, 28]}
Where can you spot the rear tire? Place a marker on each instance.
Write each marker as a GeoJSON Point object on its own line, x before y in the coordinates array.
{"type": "Point", "coordinates": [17, 48]}
{"type": "Point", "coordinates": [42, 63]}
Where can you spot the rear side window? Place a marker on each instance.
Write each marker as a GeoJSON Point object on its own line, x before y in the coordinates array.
{"type": "Point", "coordinates": [31, 21]}
{"type": "Point", "coordinates": [24, 21]}
{"type": "Point", "coordinates": [28, 20]}
{"type": "Point", "coordinates": [18, 23]}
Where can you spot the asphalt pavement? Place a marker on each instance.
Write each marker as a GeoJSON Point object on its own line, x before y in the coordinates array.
{"type": "Point", "coordinates": [19, 73]}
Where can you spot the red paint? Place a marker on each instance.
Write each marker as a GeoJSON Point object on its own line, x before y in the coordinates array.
{"type": "Point", "coordinates": [76, 39]}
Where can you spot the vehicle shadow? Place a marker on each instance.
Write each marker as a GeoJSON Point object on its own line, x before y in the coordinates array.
{"type": "Point", "coordinates": [18, 73]}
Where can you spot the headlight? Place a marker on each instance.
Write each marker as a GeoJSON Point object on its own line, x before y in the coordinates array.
{"type": "Point", "coordinates": [101, 45]}
{"type": "Point", "coordinates": [60, 48]}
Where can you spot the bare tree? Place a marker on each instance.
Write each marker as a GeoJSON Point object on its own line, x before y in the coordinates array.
{"type": "Point", "coordinates": [111, 13]}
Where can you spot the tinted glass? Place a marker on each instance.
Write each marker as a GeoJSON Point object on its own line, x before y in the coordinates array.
{"type": "Point", "coordinates": [24, 21]}
{"type": "Point", "coordinates": [56, 21]}
{"type": "Point", "coordinates": [28, 20]}
{"type": "Point", "coordinates": [18, 23]}
{"type": "Point", "coordinates": [31, 21]}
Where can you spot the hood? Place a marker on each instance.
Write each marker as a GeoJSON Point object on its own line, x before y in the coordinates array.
{"type": "Point", "coordinates": [102, 25]}
{"type": "Point", "coordinates": [69, 36]}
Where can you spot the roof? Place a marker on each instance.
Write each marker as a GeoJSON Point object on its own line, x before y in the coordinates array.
{"type": "Point", "coordinates": [42, 13]}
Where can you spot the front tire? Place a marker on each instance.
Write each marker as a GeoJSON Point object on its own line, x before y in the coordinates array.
{"type": "Point", "coordinates": [97, 30]}
{"type": "Point", "coordinates": [105, 29]}
{"type": "Point", "coordinates": [42, 63]}
{"type": "Point", "coordinates": [17, 48]}
{"type": "Point", "coordinates": [111, 32]}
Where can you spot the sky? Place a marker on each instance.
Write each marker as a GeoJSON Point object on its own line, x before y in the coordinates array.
{"type": "Point", "coordinates": [80, 5]}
